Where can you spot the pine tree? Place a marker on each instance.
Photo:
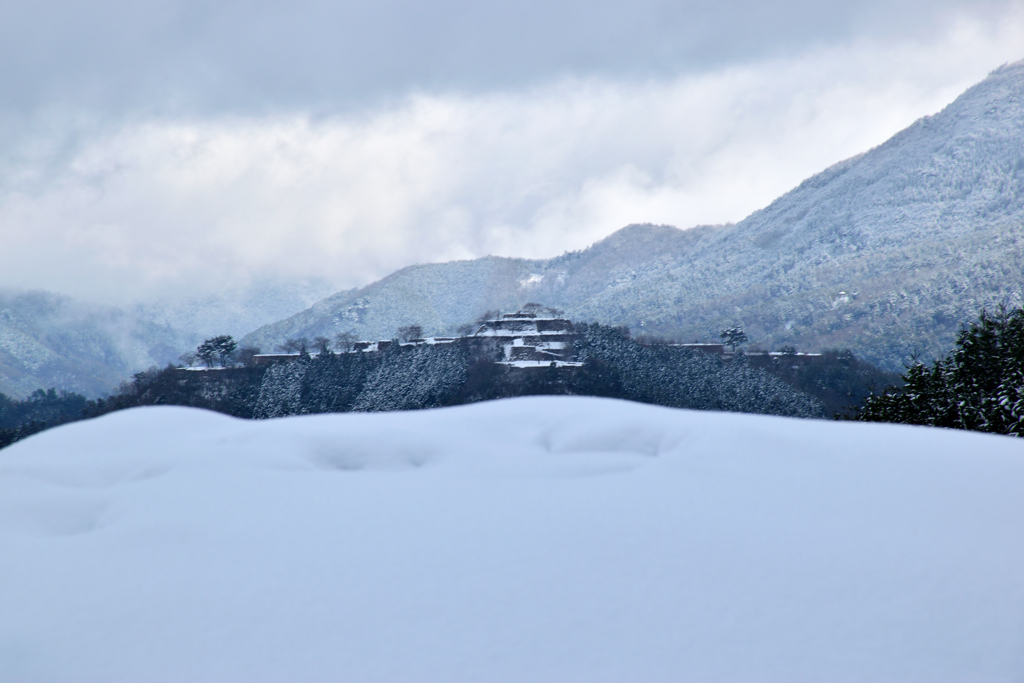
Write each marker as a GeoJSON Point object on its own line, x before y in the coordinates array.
{"type": "Point", "coordinates": [978, 386]}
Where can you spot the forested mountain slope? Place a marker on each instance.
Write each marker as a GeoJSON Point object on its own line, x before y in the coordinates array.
{"type": "Point", "coordinates": [48, 340]}
{"type": "Point", "coordinates": [441, 297]}
{"type": "Point", "coordinates": [885, 253]}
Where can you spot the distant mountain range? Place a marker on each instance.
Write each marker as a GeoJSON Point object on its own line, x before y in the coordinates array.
{"type": "Point", "coordinates": [48, 340]}
{"type": "Point", "coordinates": [234, 311]}
{"type": "Point", "coordinates": [886, 253]}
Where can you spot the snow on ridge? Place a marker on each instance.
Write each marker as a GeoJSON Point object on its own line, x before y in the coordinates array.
{"type": "Point", "coordinates": [532, 539]}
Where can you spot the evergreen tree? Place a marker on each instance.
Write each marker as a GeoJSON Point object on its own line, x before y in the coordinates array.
{"type": "Point", "coordinates": [733, 336]}
{"type": "Point", "coordinates": [978, 386]}
{"type": "Point", "coordinates": [219, 348]}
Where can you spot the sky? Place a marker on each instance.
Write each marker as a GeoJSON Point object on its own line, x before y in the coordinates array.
{"type": "Point", "coordinates": [177, 147]}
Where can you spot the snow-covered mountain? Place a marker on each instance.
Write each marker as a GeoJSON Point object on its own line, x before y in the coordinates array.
{"type": "Point", "coordinates": [236, 310]}
{"type": "Point", "coordinates": [48, 340]}
{"type": "Point", "coordinates": [537, 539]}
{"type": "Point", "coordinates": [886, 253]}
{"type": "Point", "coordinates": [441, 297]}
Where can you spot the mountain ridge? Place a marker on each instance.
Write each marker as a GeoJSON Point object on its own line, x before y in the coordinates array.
{"type": "Point", "coordinates": [885, 252]}
{"type": "Point", "coordinates": [52, 340]}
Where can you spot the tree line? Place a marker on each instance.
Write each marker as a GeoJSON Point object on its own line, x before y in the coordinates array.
{"type": "Point", "coordinates": [979, 385]}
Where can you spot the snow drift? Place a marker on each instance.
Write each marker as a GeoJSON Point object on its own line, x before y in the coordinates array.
{"type": "Point", "coordinates": [537, 539]}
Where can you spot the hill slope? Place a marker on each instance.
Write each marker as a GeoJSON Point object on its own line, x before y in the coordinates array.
{"type": "Point", "coordinates": [540, 539]}
{"type": "Point", "coordinates": [885, 253]}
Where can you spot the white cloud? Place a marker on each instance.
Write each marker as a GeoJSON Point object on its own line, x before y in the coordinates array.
{"type": "Point", "coordinates": [192, 204]}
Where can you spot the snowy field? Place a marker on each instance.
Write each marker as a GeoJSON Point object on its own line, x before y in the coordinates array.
{"type": "Point", "coordinates": [540, 539]}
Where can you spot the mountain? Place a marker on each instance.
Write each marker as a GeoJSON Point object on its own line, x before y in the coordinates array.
{"type": "Point", "coordinates": [885, 253]}
{"type": "Point", "coordinates": [47, 340]}
{"type": "Point", "coordinates": [235, 310]}
{"type": "Point", "coordinates": [443, 296]}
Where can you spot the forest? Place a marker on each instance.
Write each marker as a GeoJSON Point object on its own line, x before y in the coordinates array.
{"type": "Point", "coordinates": [410, 377]}
{"type": "Point", "coordinates": [978, 386]}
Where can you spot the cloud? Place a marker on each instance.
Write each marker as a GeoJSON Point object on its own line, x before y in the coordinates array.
{"type": "Point", "coordinates": [245, 56]}
{"type": "Point", "coordinates": [160, 203]}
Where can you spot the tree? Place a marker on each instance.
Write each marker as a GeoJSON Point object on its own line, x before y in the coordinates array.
{"type": "Point", "coordinates": [733, 336]}
{"type": "Point", "coordinates": [206, 352]}
{"type": "Point", "coordinates": [188, 359]}
{"type": "Point", "coordinates": [298, 345]}
{"type": "Point", "coordinates": [410, 332]}
{"type": "Point", "coordinates": [322, 345]}
{"type": "Point", "coordinates": [247, 355]}
{"type": "Point", "coordinates": [344, 341]}
{"type": "Point", "coordinates": [225, 348]}
{"type": "Point", "coordinates": [978, 386]}
{"type": "Point", "coordinates": [218, 348]}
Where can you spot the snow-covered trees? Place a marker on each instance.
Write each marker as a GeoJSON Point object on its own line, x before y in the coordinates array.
{"type": "Point", "coordinates": [219, 348]}
{"type": "Point", "coordinates": [343, 341]}
{"type": "Point", "coordinates": [414, 376]}
{"type": "Point", "coordinates": [400, 378]}
{"type": "Point", "coordinates": [281, 390]}
{"type": "Point", "coordinates": [617, 366]}
{"type": "Point", "coordinates": [41, 409]}
{"type": "Point", "coordinates": [425, 376]}
{"type": "Point", "coordinates": [979, 386]}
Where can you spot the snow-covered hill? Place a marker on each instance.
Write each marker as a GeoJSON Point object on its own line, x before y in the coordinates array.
{"type": "Point", "coordinates": [886, 253]}
{"type": "Point", "coordinates": [539, 539]}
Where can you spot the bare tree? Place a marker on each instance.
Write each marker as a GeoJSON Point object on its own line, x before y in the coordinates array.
{"type": "Point", "coordinates": [410, 332]}
{"type": "Point", "coordinates": [344, 341]}
{"type": "Point", "coordinates": [322, 345]}
{"type": "Point", "coordinates": [247, 355]}
{"type": "Point", "coordinates": [298, 345]}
